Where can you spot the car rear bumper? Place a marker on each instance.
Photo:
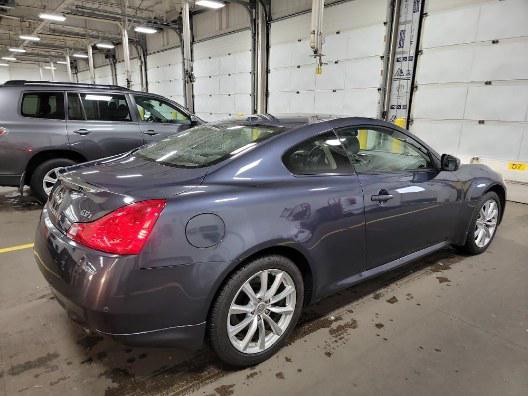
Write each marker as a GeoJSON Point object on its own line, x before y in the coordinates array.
{"type": "Point", "coordinates": [110, 295]}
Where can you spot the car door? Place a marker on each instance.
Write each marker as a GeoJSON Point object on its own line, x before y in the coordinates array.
{"type": "Point", "coordinates": [100, 124]}
{"type": "Point", "coordinates": [408, 205]}
{"type": "Point", "coordinates": [159, 118]}
{"type": "Point", "coordinates": [328, 210]}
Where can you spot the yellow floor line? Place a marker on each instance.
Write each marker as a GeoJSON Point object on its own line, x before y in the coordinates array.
{"type": "Point", "coordinates": [15, 248]}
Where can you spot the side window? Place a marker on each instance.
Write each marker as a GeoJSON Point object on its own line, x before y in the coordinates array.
{"type": "Point", "coordinates": [48, 105]}
{"type": "Point", "coordinates": [75, 111]}
{"type": "Point", "coordinates": [105, 107]}
{"type": "Point", "coordinates": [155, 110]}
{"type": "Point", "coordinates": [319, 155]}
{"type": "Point", "coordinates": [383, 150]}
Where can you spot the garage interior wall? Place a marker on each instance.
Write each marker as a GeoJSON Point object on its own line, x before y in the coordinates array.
{"type": "Point", "coordinates": [472, 82]}
{"type": "Point", "coordinates": [354, 44]}
{"type": "Point", "coordinates": [28, 71]}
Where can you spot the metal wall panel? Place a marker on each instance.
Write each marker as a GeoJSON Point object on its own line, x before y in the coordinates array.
{"type": "Point", "coordinates": [354, 44]}
{"type": "Point", "coordinates": [164, 71]}
{"type": "Point", "coordinates": [472, 82]}
{"type": "Point", "coordinates": [222, 67]}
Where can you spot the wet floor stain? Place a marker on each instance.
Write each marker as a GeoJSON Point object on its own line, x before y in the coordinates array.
{"type": "Point", "coordinates": [280, 375]}
{"type": "Point", "coordinates": [379, 325]}
{"type": "Point", "coordinates": [442, 279]}
{"type": "Point", "coordinates": [392, 300]}
{"type": "Point", "coordinates": [12, 200]}
{"type": "Point", "coordinates": [225, 390]}
{"type": "Point", "coordinates": [58, 380]}
{"type": "Point", "coordinates": [343, 328]}
{"type": "Point", "coordinates": [89, 341]}
{"type": "Point", "coordinates": [328, 354]}
{"type": "Point", "coordinates": [40, 362]}
{"type": "Point", "coordinates": [252, 374]}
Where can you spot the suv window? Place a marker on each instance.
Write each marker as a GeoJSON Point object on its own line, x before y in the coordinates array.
{"type": "Point", "coordinates": [101, 106]}
{"type": "Point", "coordinates": [383, 150]}
{"type": "Point", "coordinates": [321, 154]}
{"type": "Point", "coordinates": [155, 110]}
{"type": "Point", "coordinates": [48, 105]}
{"type": "Point", "coordinates": [75, 111]}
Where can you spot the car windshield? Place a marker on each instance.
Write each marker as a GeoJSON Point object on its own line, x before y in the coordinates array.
{"type": "Point", "coordinates": [208, 144]}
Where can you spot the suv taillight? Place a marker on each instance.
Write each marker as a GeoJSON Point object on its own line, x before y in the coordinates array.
{"type": "Point", "coordinates": [123, 231]}
{"type": "Point", "coordinates": [3, 131]}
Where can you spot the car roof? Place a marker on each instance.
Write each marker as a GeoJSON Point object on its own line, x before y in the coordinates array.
{"type": "Point", "coordinates": [61, 85]}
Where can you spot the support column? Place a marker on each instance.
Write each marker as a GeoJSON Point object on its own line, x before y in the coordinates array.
{"type": "Point", "coordinates": [91, 63]}
{"type": "Point", "coordinates": [52, 69]}
{"type": "Point", "coordinates": [68, 67]}
{"type": "Point", "coordinates": [126, 54]}
{"type": "Point", "coordinates": [188, 76]}
{"type": "Point", "coordinates": [113, 68]}
{"type": "Point", "coordinates": [261, 57]}
{"type": "Point", "coordinates": [41, 72]}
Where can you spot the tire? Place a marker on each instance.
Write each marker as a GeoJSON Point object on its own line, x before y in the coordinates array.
{"type": "Point", "coordinates": [231, 293]}
{"type": "Point", "coordinates": [472, 246]}
{"type": "Point", "coordinates": [37, 178]}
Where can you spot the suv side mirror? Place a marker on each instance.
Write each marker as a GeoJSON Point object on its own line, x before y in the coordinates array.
{"type": "Point", "coordinates": [450, 163]}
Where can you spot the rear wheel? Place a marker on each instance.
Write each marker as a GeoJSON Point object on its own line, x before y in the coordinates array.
{"type": "Point", "coordinates": [256, 310]}
{"type": "Point", "coordinates": [46, 175]}
{"type": "Point", "coordinates": [483, 224]}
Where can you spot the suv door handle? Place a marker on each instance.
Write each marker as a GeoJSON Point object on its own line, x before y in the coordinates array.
{"type": "Point", "coordinates": [383, 196]}
{"type": "Point", "coordinates": [82, 132]}
{"type": "Point", "coordinates": [151, 132]}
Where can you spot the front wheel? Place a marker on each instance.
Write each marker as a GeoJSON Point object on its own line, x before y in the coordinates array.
{"type": "Point", "coordinates": [483, 224]}
{"type": "Point", "coordinates": [46, 175]}
{"type": "Point", "coordinates": [256, 310]}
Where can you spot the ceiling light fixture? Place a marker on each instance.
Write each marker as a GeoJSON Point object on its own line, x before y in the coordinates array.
{"type": "Point", "coordinates": [29, 38]}
{"type": "Point", "coordinates": [9, 58]}
{"type": "Point", "coordinates": [62, 62]}
{"type": "Point", "coordinates": [20, 50]}
{"type": "Point", "coordinates": [4, 65]}
{"type": "Point", "coordinates": [52, 17]}
{"type": "Point", "coordinates": [79, 55]}
{"type": "Point", "coordinates": [105, 45]}
{"type": "Point", "coordinates": [145, 29]}
{"type": "Point", "coordinates": [210, 4]}
{"type": "Point", "coordinates": [50, 68]}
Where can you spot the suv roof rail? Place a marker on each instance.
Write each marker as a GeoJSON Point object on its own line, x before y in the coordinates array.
{"type": "Point", "coordinates": [20, 83]}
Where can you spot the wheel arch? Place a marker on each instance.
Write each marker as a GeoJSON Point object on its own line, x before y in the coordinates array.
{"type": "Point", "coordinates": [42, 156]}
{"type": "Point", "coordinates": [292, 253]}
{"type": "Point", "coordinates": [501, 192]}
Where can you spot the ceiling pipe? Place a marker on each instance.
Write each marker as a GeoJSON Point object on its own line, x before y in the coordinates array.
{"type": "Point", "coordinates": [316, 33]}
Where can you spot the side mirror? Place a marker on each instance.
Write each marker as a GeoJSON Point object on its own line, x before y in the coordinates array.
{"type": "Point", "coordinates": [195, 120]}
{"type": "Point", "coordinates": [450, 163]}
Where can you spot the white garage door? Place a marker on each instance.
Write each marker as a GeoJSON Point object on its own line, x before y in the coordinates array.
{"type": "Point", "coordinates": [222, 67]}
{"type": "Point", "coordinates": [472, 97]}
{"type": "Point", "coordinates": [103, 75]}
{"type": "Point", "coordinates": [353, 47]}
{"type": "Point", "coordinates": [164, 70]}
{"type": "Point", "coordinates": [135, 74]}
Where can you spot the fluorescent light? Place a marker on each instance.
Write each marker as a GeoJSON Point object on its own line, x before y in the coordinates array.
{"type": "Point", "coordinates": [52, 17]}
{"type": "Point", "coordinates": [98, 97]}
{"type": "Point", "coordinates": [9, 58]}
{"type": "Point", "coordinates": [29, 38]}
{"type": "Point", "coordinates": [62, 62]}
{"type": "Point", "coordinates": [145, 29]}
{"type": "Point", "coordinates": [210, 4]}
{"type": "Point", "coordinates": [50, 68]}
{"type": "Point", "coordinates": [21, 50]}
{"type": "Point", "coordinates": [4, 65]}
{"type": "Point", "coordinates": [79, 55]}
{"type": "Point", "coordinates": [105, 45]}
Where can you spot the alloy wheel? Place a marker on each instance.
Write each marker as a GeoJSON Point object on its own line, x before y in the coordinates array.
{"type": "Point", "coordinates": [261, 311]}
{"type": "Point", "coordinates": [50, 178]}
{"type": "Point", "coordinates": [486, 223]}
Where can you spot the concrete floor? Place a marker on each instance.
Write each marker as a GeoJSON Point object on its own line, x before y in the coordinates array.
{"type": "Point", "coordinates": [444, 325]}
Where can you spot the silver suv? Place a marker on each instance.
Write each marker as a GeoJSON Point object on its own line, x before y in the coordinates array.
{"type": "Point", "coordinates": [46, 126]}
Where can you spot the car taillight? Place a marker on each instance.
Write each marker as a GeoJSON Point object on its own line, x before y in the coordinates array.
{"type": "Point", "coordinates": [123, 231]}
{"type": "Point", "coordinates": [3, 131]}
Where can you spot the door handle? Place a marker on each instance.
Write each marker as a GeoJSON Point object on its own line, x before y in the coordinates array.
{"type": "Point", "coordinates": [151, 132]}
{"type": "Point", "coordinates": [383, 196]}
{"type": "Point", "coordinates": [82, 132]}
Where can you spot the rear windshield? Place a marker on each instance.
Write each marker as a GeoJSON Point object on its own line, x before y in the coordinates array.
{"type": "Point", "coordinates": [209, 144]}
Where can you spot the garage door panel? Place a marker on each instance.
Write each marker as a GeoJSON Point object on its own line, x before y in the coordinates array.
{"type": "Point", "coordinates": [243, 103]}
{"type": "Point", "coordinates": [329, 102]}
{"type": "Point", "coordinates": [363, 73]}
{"type": "Point", "coordinates": [206, 86]}
{"type": "Point", "coordinates": [451, 27]}
{"type": "Point", "coordinates": [242, 83]}
{"type": "Point", "coordinates": [243, 62]}
{"type": "Point", "coordinates": [491, 140]}
{"type": "Point", "coordinates": [303, 78]}
{"type": "Point", "coordinates": [333, 77]}
{"type": "Point", "coordinates": [443, 136]}
{"type": "Point", "coordinates": [504, 103]}
{"type": "Point", "coordinates": [279, 102]}
{"type": "Point", "coordinates": [303, 102]}
{"type": "Point", "coordinates": [523, 151]}
{"type": "Point", "coordinates": [514, 15]}
{"type": "Point", "coordinates": [361, 102]}
{"type": "Point", "coordinates": [439, 102]}
{"type": "Point", "coordinates": [503, 61]}
{"type": "Point", "coordinates": [279, 80]}
{"type": "Point", "coordinates": [301, 53]}
{"type": "Point", "coordinates": [443, 65]}
{"type": "Point", "coordinates": [206, 67]}
{"type": "Point", "coordinates": [365, 42]}
{"type": "Point", "coordinates": [227, 64]}
{"type": "Point", "coordinates": [335, 46]}
{"type": "Point", "coordinates": [280, 55]}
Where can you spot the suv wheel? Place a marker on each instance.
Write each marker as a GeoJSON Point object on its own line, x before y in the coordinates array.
{"type": "Point", "coordinates": [256, 311]}
{"type": "Point", "coordinates": [46, 175]}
